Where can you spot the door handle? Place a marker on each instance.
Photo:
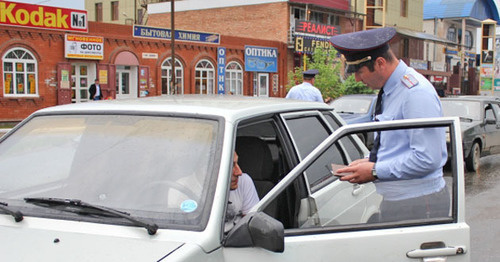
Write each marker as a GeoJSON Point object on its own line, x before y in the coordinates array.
{"type": "Point", "coordinates": [437, 252]}
{"type": "Point", "coordinates": [357, 189]}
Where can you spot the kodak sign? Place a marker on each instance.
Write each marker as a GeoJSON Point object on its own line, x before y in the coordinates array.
{"type": "Point", "coordinates": [45, 17]}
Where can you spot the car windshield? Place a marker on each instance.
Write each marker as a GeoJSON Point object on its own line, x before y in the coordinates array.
{"type": "Point", "coordinates": [156, 168]}
{"type": "Point", "coordinates": [463, 109]}
{"type": "Point", "coordinates": [359, 105]}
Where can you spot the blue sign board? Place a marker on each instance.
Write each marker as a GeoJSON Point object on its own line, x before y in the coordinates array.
{"type": "Point", "coordinates": [180, 35]}
{"type": "Point", "coordinates": [261, 59]}
{"type": "Point", "coordinates": [221, 69]}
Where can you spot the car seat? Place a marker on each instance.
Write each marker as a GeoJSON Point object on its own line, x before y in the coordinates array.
{"type": "Point", "coordinates": [255, 159]}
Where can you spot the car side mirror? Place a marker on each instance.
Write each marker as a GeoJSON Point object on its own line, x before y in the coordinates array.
{"type": "Point", "coordinates": [257, 230]}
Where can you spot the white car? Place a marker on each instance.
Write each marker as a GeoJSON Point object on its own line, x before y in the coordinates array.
{"type": "Point", "coordinates": [148, 180]}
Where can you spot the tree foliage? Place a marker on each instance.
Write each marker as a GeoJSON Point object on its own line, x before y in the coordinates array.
{"type": "Point", "coordinates": [329, 80]}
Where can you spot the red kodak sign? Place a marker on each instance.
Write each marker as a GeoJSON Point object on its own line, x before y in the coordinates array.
{"type": "Point", "coordinates": [46, 17]}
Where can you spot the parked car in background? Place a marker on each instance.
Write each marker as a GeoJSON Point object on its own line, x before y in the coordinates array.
{"type": "Point", "coordinates": [355, 109]}
{"type": "Point", "coordinates": [480, 124]}
{"type": "Point", "coordinates": [148, 180]}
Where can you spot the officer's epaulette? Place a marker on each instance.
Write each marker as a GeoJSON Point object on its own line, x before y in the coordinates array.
{"type": "Point", "coordinates": [409, 81]}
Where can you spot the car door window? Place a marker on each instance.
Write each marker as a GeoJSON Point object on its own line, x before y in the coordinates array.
{"type": "Point", "coordinates": [496, 108]}
{"type": "Point", "coordinates": [307, 132]}
{"type": "Point", "coordinates": [489, 113]}
{"type": "Point", "coordinates": [354, 149]}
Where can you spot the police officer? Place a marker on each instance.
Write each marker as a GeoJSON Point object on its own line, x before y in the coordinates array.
{"type": "Point", "coordinates": [407, 166]}
{"type": "Point", "coordinates": [306, 91]}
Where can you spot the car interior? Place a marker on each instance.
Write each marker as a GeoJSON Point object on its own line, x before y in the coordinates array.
{"type": "Point", "coordinates": [261, 157]}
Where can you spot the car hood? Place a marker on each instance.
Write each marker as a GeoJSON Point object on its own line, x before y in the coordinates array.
{"type": "Point", "coordinates": [42, 240]}
{"type": "Point", "coordinates": [464, 125]}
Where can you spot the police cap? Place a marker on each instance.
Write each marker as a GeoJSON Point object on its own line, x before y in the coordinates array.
{"type": "Point", "coordinates": [310, 73]}
{"type": "Point", "coordinates": [363, 46]}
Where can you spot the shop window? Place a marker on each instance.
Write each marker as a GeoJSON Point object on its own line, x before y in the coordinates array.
{"type": "Point", "coordinates": [204, 77]}
{"type": "Point", "coordinates": [98, 12]}
{"type": "Point", "coordinates": [234, 78]}
{"type": "Point", "coordinates": [114, 11]}
{"type": "Point", "coordinates": [166, 76]}
{"type": "Point", "coordinates": [20, 73]}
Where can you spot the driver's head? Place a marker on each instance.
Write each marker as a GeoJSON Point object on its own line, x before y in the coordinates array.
{"type": "Point", "coordinates": [236, 172]}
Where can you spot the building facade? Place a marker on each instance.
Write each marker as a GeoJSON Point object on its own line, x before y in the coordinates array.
{"type": "Point", "coordinates": [44, 67]}
{"type": "Point", "coordinates": [302, 25]}
{"type": "Point", "coordinates": [460, 23]}
{"type": "Point", "coordinates": [285, 21]}
{"type": "Point", "coordinates": [119, 11]}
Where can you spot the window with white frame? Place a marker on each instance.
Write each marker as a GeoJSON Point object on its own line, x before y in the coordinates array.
{"type": "Point", "coordinates": [298, 13]}
{"type": "Point", "coordinates": [234, 78]}
{"type": "Point", "coordinates": [20, 76]}
{"type": "Point", "coordinates": [204, 77]}
{"type": "Point", "coordinates": [166, 77]}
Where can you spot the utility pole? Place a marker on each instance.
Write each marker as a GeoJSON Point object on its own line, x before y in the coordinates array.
{"type": "Point", "coordinates": [172, 41]}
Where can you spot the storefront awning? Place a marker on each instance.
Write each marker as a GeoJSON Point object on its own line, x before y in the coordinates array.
{"type": "Point", "coordinates": [424, 36]}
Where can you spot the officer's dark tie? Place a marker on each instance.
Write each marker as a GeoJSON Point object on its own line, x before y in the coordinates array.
{"type": "Point", "coordinates": [376, 143]}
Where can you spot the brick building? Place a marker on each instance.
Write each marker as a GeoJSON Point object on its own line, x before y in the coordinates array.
{"type": "Point", "coordinates": [38, 69]}
{"type": "Point", "coordinates": [270, 19]}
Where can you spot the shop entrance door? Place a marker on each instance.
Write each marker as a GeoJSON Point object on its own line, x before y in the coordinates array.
{"type": "Point", "coordinates": [263, 82]}
{"type": "Point", "coordinates": [126, 82]}
{"type": "Point", "coordinates": [81, 78]}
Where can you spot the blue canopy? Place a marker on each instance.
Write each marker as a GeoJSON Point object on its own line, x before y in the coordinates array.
{"type": "Point", "coordinates": [477, 9]}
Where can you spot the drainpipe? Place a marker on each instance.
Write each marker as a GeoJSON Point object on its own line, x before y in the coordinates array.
{"type": "Point", "coordinates": [436, 34]}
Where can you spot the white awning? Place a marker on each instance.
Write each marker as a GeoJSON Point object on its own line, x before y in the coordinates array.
{"type": "Point", "coordinates": [424, 36]}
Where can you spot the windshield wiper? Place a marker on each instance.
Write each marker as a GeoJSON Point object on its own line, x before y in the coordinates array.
{"type": "Point", "coordinates": [84, 209]}
{"type": "Point", "coordinates": [18, 216]}
{"type": "Point", "coordinates": [345, 112]}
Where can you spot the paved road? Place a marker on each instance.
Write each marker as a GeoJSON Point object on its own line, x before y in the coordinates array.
{"type": "Point", "coordinates": [482, 201]}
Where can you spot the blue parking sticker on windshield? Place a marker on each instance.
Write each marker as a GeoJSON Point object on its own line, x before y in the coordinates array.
{"type": "Point", "coordinates": [189, 206]}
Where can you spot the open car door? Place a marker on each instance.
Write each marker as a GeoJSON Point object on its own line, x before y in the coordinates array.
{"type": "Point", "coordinates": [355, 237]}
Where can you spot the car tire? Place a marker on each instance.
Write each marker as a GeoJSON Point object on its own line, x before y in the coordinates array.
{"type": "Point", "coordinates": [472, 160]}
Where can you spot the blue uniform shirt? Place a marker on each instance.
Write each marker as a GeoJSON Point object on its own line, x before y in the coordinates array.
{"type": "Point", "coordinates": [305, 91]}
{"type": "Point", "coordinates": [410, 161]}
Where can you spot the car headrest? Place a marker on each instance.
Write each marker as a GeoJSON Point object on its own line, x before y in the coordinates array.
{"type": "Point", "coordinates": [255, 158]}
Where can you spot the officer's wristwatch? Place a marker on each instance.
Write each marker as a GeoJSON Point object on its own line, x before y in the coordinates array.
{"type": "Point", "coordinates": [374, 173]}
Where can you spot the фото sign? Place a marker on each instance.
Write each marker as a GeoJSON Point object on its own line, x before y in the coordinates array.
{"type": "Point", "coordinates": [44, 17]}
{"type": "Point", "coordinates": [180, 35]}
{"type": "Point", "coordinates": [261, 59]}
{"type": "Point", "coordinates": [83, 47]}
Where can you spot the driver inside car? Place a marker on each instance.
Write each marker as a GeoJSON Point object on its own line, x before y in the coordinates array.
{"type": "Point", "coordinates": [242, 196]}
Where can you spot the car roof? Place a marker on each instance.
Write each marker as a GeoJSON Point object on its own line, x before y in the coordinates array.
{"type": "Point", "coordinates": [358, 95]}
{"type": "Point", "coordinates": [472, 98]}
{"type": "Point", "coordinates": [227, 106]}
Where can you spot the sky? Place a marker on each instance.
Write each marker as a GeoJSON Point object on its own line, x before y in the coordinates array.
{"type": "Point", "coordinates": [71, 4]}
